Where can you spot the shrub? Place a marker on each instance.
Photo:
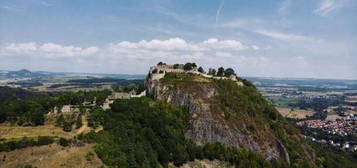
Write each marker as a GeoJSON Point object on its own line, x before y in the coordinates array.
{"type": "Point", "coordinates": [200, 69]}
{"type": "Point", "coordinates": [161, 63]}
{"type": "Point", "coordinates": [64, 142]}
{"type": "Point", "coordinates": [189, 66]}
{"type": "Point", "coordinates": [44, 140]}
{"type": "Point", "coordinates": [228, 72]}
{"type": "Point", "coordinates": [89, 156]}
{"type": "Point", "coordinates": [176, 66]}
{"type": "Point", "coordinates": [25, 142]}
{"type": "Point", "coordinates": [220, 71]}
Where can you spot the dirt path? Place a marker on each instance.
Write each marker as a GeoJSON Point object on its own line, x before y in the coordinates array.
{"type": "Point", "coordinates": [84, 128]}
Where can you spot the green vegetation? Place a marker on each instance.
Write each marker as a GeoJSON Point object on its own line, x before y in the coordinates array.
{"type": "Point", "coordinates": [239, 101]}
{"type": "Point", "coordinates": [189, 66]}
{"type": "Point", "coordinates": [331, 157]}
{"type": "Point", "coordinates": [212, 71]}
{"type": "Point", "coordinates": [179, 78]}
{"type": "Point", "coordinates": [228, 72]}
{"type": "Point", "coordinates": [220, 71]}
{"type": "Point", "coordinates": [8, 94]}
{"type": "Point", "coordinates": [64, 142]}
{"type": "Point", "coordinates": [138, 88]}
{"type": "Point", "coordinates": [69, 122]}
{"type": "Point", "coordinates": [25, 142]}
{"type": "Point", "coordinates": [161, 63]}
{"type": "Point", "coordinates": [176, 66]}
{"type": "Point", "coordinates": [200, 69]}
{"type": "Point", "coordinates": [114, 81]}
{"type": "Point", "coordinates": [31, 111]}
{"type": "Point", "coordinates": [96, 117]}
{"type": "Point", "coordinates": [141, 132]}
{"type": "Point", "coordinates": [246, 103]}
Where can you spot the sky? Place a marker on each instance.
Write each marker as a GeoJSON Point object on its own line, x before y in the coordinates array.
{"type": "Point", "coordinates": [264, 38]}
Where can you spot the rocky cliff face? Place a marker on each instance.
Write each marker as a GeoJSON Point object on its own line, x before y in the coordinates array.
{"type": "Point", "coordinates": [208, 122]}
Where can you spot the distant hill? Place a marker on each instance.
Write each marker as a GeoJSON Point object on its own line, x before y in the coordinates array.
{"type": "Point", "coordinates": [24, 73]}
{"type": "Point", "coordinates": [305, 82]}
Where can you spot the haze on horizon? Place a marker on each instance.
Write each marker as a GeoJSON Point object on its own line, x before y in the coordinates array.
{"type": "Point", "coordinates": [272, 38]}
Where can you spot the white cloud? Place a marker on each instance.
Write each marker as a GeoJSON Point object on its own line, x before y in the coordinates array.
{"type": "Point", "coordinates": [169, 49]}
{"type": "Point", "coordinates": [283, 36]}
{"type": "Point", "coordinates": [243, 23]}
{"type": "Point", "coordinates": [22, 47]}
{"type": "Point", "coordinates": [325, 7]}
{"type": "Point", "coordinates": [171, 44]}
{"type": "Point", "coordinates": [215, 44]}
{"type": "Point", "coordinates": [46, 50]}
{"type": "Point", "coordinates": [224, 54]}
{"type": "Point", "coordinates": [178, 45]}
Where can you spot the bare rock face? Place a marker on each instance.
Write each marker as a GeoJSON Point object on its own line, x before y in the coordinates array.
{"type": "Point", "coordinates": [207, 122]}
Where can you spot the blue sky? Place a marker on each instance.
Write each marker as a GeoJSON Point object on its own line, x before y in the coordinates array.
{"type": "Point", "coordinates": [270, 38]}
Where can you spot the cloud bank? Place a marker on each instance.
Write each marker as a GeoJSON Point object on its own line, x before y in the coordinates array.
{"type": "Point", "coordinates": [45, 50]}
{"type": "Point", "coordinates": [137, 57]}
{"type": "Point", "coordinates": [142, 49]}
{"type": "Point", "coordinates": [132, 57]}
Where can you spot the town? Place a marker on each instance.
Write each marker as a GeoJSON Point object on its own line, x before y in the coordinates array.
{"type": "Point", "coordinates": [324, 111]}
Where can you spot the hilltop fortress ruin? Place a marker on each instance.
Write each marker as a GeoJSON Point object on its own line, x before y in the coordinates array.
{"type": "Point", "coordinates": [158, 72]}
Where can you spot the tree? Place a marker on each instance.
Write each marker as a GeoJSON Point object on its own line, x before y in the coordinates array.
{"type": "Point", "coordinates": [176, 66]}
{"type": "Point", "coordinates": [189, 66]}
{"type": "Point", "coordinates": [212, 71]}
{"type": "Point", "coordinates": [200, 69]}
{"type": "Point", "coordinates": [161, 63]}
{"type": "Point", "coordinates": [220, 71]}
{"type": "Point", "coordinates": [95, 117]}
{"type": "Point", "coordinates": [228, 72]}
{"type": "Point", "coordinates": [63, 142]}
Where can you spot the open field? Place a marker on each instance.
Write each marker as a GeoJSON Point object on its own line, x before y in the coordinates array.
{"type": "Point", "coordinates": [332, 114]}
{"type": "Point", "coordinates": [53, 156]}
{"type": "Point", "coordinates": [296, 113]}
{"type": "Point", "coordinates": [333, 117]}
{"type": "Point", "coordinates": [282, 102]}
{"type": "Point", "coordinates": [15, 132]}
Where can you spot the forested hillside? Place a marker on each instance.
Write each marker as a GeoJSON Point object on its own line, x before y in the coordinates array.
{"type": "Point", "coordinates": [142, 132]}
{"type": "Point", "coordinates": [7, 93]}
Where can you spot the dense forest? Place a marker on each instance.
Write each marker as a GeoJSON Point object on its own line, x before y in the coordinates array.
{"type": "Point", "coordinates": [7, 93]}
{"type": "Point", "coordinates": [141, 132]}
{"type": "Point", "coordinates": [27, 108]}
